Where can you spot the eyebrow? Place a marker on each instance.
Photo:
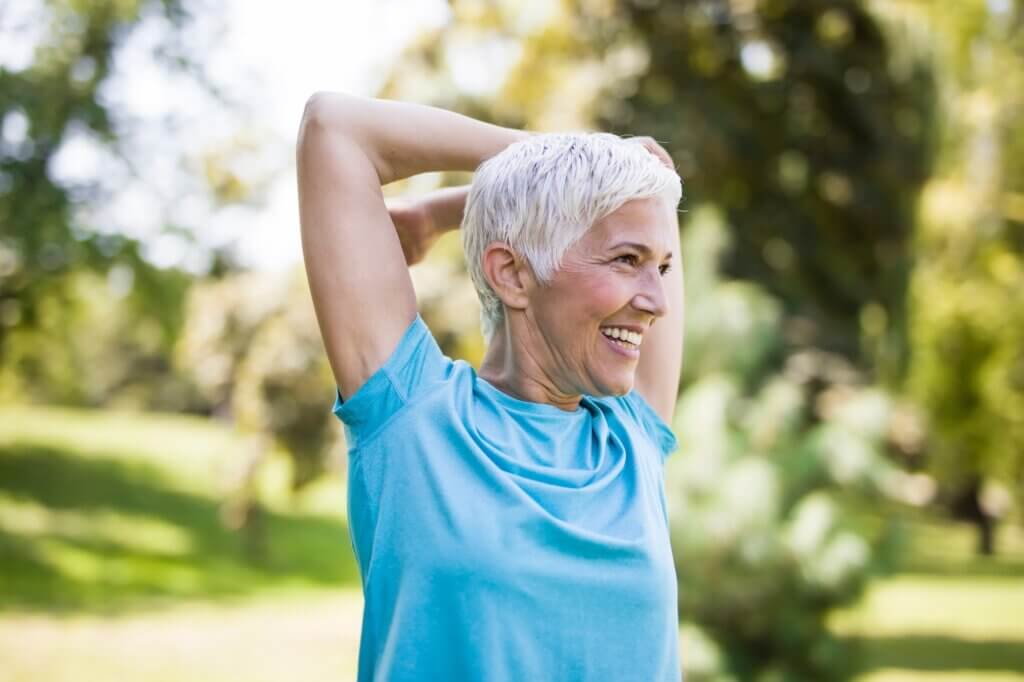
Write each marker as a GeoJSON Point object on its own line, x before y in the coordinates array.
{"type": "Point", "coordinates": [642, 248]}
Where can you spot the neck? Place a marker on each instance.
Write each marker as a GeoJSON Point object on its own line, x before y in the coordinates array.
{"type": "Point", "coordinates": [511, 365]}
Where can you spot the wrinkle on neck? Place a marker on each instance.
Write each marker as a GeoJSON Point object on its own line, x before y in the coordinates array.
{"type": "Point", "coordinates": [515, 369]}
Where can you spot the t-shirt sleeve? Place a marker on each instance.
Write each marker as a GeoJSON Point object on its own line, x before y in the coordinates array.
{"type": "Point", "coordinates": [655, 427]}
{"type": "Point", "coordinates": [415, 363]}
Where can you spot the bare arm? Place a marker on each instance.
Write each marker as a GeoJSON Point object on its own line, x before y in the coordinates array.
{"type": "Point", "coordinates": [422, 220]}
{"type": "Point", "coordinates": [661, 356]}
{"type": "Point", "coordinates": [661, 360]}
{"type": "Point", "coordinates": [347, 148]}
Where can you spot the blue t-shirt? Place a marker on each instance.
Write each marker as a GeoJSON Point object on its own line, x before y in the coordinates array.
{"type": "Point", "coordinates": [505, 540]}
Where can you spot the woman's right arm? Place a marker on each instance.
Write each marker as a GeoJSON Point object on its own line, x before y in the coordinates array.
{"type": "Point", "coordinates": [348, 147]}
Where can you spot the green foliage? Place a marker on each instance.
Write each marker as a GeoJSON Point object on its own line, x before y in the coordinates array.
{"type": "Point", "coordinates": [770, 452]}
{"type": "Point", "coordinates": [253, 346]}
{"type": "Point", "coordinates": [967, 313]}
{"type": "Point", "coordinates": [57, 97]}
{"type": "Point", "coordinates": [95, 344]}
{"type": "Point", "coordinates": [285, 387]}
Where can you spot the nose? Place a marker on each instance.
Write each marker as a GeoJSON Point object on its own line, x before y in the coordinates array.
{"type": "Point", "coordinates": [651, 296]}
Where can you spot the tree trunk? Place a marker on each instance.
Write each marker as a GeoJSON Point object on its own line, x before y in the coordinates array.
{"type": "Point", "coordinates": [966, 505]}
{"type": "Point", "coordinates": [242, 511]}
{"type": "Point", "coordinates": [986, 535]}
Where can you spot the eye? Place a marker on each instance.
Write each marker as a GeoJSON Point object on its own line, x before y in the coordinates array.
{"type": "Point", "coordinates": [631, 258]}
{"type": "Point", "coordinates": [665, 269]}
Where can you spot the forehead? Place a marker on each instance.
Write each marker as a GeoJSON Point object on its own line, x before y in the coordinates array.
{"type": "Point", "coordinates": [650, 222]}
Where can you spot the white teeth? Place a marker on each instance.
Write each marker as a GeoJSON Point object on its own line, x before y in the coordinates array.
{"type": "Point", "coordinates": [624, 335]}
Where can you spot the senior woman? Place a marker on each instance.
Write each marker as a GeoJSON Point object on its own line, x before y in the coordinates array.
{"type": "Point", "coordinates": [509, 522]}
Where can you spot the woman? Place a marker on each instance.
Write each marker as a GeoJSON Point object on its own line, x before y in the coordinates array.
{"type": "Point", "coordinates": [510, 522]}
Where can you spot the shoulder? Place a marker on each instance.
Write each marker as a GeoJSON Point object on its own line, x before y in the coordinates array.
{"type": "Point", "coordinates": [635, 410]}
{"type": "Point", "coordinates": [413, 369]}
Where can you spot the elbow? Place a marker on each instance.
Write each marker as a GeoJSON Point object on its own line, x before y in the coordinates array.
{"type": "Point", "coordinates": [321, 116]}
{"type": "Point", "coordinates": [317, 108]}
{"type": "Point", "coordinates": [337, 116]}
{"type": "Point", "coordinates": [337, 121]}
{"type": "Point", "coordinates": [317, 114]}
{"type": "Point", "coordinates": [330, 111]}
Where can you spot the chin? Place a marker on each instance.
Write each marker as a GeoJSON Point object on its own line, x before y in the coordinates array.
{"type": "Point", "coordinates": [618, 388]}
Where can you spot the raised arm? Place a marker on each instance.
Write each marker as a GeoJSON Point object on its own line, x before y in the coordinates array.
{"type": "Point", "coordinates": [348, 147]}
{"type": "Point", "coordinates": [661, 360]}
{"type": "Point", "coordinates": [421, 221]}
{"type": "Point", "coordinates": [661, 356]}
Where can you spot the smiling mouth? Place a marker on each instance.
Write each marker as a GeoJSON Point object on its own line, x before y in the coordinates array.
{"type": "Point", "coordinates": [623, 347]}
{"type": "Point", "coordinates": [624, 344]}
{"type": "Point", "coordinates": [623, 337]}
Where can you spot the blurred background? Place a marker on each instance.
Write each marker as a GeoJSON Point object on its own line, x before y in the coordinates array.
{"type": "Point", "coordinates": [847, 499]}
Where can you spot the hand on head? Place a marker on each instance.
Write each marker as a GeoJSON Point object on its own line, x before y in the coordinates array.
{"type": "Point", "coordinates": [651, 145]}
{"type": "Point", "coordinates": [416, 231]}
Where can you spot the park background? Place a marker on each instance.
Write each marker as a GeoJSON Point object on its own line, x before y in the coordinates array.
{"type": "Point", "coordinates": [846, 502]}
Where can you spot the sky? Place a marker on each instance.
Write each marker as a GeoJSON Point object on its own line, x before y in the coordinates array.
{"type": "Point", "coordinates": [287, 51]}
{"type": "Point", "coordinates": [294, 49]}
{"type": "Point", "coordinates": [270, 57]}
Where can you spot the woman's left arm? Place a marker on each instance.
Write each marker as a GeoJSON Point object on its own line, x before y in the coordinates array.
{"type": "Point", "coordinates": [420, 221]}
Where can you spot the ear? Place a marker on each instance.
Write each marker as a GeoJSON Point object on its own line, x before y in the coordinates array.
{"type": "Point", "coordinates": [508, 274]}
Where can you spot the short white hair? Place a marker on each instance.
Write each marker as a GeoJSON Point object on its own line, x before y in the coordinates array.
{"type": "Point", "coordinates": [542, 194]}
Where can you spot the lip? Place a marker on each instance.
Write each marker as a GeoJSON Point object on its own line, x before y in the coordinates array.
{"type": "Point", "coordinates": [628, 352]}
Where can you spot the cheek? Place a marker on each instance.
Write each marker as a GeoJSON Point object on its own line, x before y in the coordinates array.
{"type": "Point", "coordinates": [596, 302]}
{"type": "Point", "coordinates": [589, 299]}
{"type": "Point", "coordinates": [584, 299]}
{"type": "Point", "coordinates": [606, 295]}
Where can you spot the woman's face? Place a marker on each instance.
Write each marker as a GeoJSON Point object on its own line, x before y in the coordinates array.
{"type": "Point", "coordinates": [611, 279]}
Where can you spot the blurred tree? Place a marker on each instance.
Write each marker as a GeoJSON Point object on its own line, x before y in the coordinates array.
{"type": "Point", "coordinates": [252, 345]}
{"type": "Point", "coordinates": [769, 458]}
{"type": "Point", "coordinates": [967, 301]}
{"type": "Point", "coordinates": [97, 346]}
{"type": "Point", "coordinates": [53, 97]}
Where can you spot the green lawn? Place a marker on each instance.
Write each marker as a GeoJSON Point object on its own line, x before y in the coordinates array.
{"type": "Point", "coordinates": [946, 614]}
{"type": "Point", "coordinates": [106, 512]}
{"type": "Point", "coordinates": [114, 564]}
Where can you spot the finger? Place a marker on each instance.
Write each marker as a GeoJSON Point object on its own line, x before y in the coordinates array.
{"type": "Point", "coordinates": [662, 156]}
{"type": "Point", "coordinates": [653, 147]}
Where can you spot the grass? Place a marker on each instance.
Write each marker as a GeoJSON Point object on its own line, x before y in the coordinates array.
{"type": "Point", "coordinates": [946, 614]}
{"type": "Point", "coordinates": [114, 512]}
{"type": "Point", "coordinates": [114, 564]}
{"type": "Point", "coordinates": [299, 637]}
